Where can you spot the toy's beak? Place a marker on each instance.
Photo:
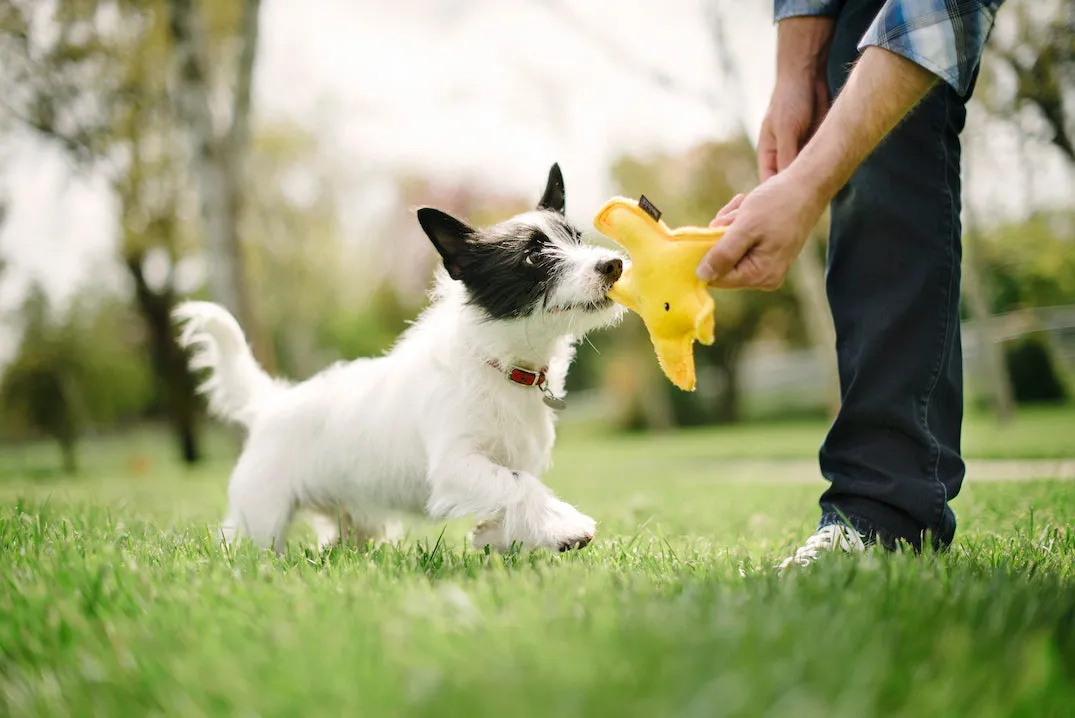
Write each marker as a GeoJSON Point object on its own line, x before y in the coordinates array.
{"type": "Point", "coordinates": [619, 291]}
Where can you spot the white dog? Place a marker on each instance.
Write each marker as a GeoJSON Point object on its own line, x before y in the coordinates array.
{"type": "Point", "coordinates": [455, 421]}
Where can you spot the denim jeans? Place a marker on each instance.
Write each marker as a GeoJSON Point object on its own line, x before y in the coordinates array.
{"type": "Point", "coordinates": [892, 455]}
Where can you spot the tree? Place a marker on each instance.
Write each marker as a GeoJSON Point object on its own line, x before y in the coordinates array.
{"type": "Point", "coordinates": [97, 87]}
{"type": "Point", "coordinates": [1031, 278]}
{"type": "Point", "coordinates": [1030, 68]}
{"type": "Point", "coordinates": [73, 370]}
{"type": "Point", "coordinates": [41, 387]}
{"type": "Point", "coordinates": [218, 154]}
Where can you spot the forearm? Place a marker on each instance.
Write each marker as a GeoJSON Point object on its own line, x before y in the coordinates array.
{"type": "Point", "coordinates": [802, 47]}
{"type": "Point", "coordinates": [881, 89]}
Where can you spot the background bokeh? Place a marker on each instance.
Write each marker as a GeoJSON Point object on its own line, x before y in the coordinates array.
{"type": "Point", "coordinates": [270, 155]}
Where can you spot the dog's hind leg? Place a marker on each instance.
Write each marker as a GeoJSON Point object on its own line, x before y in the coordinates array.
{"type": "Point", "coordinates": [331, 528]}
{"type": "Point", "coordinates": [261, 511]}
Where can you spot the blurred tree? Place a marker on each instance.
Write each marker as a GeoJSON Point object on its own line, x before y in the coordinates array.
{"type": "Point", "coordinates": [218, 151]}
{"type": "Point", "coordinates": [1030, 70]}
{"type": "Point", "coordinates": [3, 218]}
{"type": "Point", "coordinates": [683, 187]}
{"type": "Point", "coordinates": [1035, 376]}
{"type": "Point", "coordinates": [73, 371]}
{"type": "Point", "coordinates": [92, 75]}
{"type": "Point", "coordinates": [1030, 265]}
{"type": "Point", "coordinates": [309, 283]}
{"type": "Point", "coordinates": [40, 388]}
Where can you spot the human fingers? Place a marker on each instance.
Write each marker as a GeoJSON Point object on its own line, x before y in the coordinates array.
{"type": "Point", "coordinates": [725, 254]}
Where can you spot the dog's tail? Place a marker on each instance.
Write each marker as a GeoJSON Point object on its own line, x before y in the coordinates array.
{"type": "Point", "coordinates": [236, 385]}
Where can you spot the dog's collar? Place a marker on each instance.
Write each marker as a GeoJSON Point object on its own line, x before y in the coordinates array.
{"type": "Point", "coordinates": [528, 377]}
{"type": "Point", "coordinates": [525, 377]}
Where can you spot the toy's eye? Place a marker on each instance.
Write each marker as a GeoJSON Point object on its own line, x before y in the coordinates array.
{"type": "Point", "coordinates": [666, 307]}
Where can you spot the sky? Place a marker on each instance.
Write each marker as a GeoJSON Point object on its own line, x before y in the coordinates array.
{"type": "Point", "coordinates": [491, 91]}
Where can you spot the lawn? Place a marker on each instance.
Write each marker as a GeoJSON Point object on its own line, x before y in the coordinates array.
{"type": "Point", "coordinates": [115, 599]}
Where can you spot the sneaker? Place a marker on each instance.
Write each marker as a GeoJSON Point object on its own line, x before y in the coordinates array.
{"type": "Point", "coordinates": [827, 539]}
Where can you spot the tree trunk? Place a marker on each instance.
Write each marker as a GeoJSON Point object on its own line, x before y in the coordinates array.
{"type": "Point", "coordinates": [169, 362]}
{"type": "Point", "coordinates": [218, 159]}
{"type": "Point", "coordinates": [68, 454]}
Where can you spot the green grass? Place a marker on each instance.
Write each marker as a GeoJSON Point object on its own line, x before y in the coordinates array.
{"type": "Point", "coordinates": [1034, 433]}
{"type": "Point", "coordinates": [116, 600]}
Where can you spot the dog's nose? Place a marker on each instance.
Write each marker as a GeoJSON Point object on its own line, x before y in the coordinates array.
{"type": "Point", "coordinates": [610, 269]}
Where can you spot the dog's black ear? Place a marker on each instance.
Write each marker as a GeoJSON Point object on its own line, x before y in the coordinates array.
{"type": "Point", "coordinates": [450, 236]}
{"type": "Point", "coordinates": [554, 197]}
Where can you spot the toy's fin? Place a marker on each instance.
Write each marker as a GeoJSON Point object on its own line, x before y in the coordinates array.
{"type": "Point", "coordinates": [622, 220]}
{"type": "Point", "coordinates": [676, 357]}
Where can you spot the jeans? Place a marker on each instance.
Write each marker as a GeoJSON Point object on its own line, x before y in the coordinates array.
{"type": "Point", "coordinates": [892, 455]}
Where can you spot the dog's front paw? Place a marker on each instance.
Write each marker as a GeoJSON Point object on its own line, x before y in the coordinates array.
{"type": "Point", "coordinates": [569, 529]}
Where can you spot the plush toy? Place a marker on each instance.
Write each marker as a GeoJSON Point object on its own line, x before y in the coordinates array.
{"type": "Point", "coordinates": [659, 283]}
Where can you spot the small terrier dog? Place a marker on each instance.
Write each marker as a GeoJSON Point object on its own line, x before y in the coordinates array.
{"type": "Point", "coordinates": [456, 420]}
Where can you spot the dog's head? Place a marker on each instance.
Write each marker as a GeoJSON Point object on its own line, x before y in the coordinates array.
{"type": "Point", "coordinates": [532, 267]}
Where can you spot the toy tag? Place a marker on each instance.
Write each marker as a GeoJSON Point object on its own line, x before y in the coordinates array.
{"type": "Point", "coordinates": [649, 208]}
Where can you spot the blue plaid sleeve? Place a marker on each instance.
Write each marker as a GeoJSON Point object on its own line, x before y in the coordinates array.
{"type": "Point", "coordinates": [946, 37]}
{"type": "Point", "coordinates": [796, 8]}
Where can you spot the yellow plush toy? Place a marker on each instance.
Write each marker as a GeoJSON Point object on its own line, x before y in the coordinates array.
{"type": "Point", "coordinates": [659, 283]}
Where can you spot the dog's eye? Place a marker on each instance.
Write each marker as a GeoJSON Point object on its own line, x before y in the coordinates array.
{"type": "Point", "coordinates": [532, 257]}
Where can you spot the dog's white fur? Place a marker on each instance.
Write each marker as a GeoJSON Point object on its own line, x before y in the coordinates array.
{"type": "Point", "coordinates": [430, 428]}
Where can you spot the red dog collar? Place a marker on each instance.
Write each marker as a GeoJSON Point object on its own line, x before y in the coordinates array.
{"type": "Point", "coordinates": [521, 376]}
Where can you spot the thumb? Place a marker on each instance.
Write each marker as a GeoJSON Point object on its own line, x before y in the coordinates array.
{"type": "Point", "coordinates": [724, 255]}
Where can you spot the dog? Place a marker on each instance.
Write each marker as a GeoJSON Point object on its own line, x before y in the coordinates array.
{"type": "Point", "coordinates": [455, 421]}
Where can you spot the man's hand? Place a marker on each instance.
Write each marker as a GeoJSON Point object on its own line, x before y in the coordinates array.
{"type": "Point", "coordinates": [801, 96]}
{"type": "Point", "coordinates": [769, 227]}
{"type": "Point", "coordinates": [766, 232]}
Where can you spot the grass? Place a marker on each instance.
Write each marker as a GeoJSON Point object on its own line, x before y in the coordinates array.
{"type": "Point", "coordinates": [116, 600]}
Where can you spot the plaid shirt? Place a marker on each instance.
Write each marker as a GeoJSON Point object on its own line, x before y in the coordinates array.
{"type": "Point", "coordinates": [945, 37]}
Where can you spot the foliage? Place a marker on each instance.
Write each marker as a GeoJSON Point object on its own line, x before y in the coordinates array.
{"type": "Point", "coordinates": [1031, 263]}
{"type": "Point", "coordinates": [1034, 371]}
{"type": "Point", "coordinates": [93, 76]}
{"type": "Point", "coordinates": [1029, 72]}
{"type": "Point", "coordinates": [366, 331]}
{"type": "Point", "coordinates": [74, 371]}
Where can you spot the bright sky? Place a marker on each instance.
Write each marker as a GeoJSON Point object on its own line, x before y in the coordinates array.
{"type": "Point", "coordinates": [489, 90]}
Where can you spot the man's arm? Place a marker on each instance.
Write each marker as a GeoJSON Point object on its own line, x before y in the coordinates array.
{"type": "Point", "coordinates": [907, 44]}
{"type": "Point", "coordinates": [881, 90]}
{"type": "Point", "coordinates": [801, 96]}
{"type": "Point", "coordinates": [773, 221]}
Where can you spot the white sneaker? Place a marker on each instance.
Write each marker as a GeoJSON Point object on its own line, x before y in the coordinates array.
{"type": "Point", "coordinates": [827, 539]}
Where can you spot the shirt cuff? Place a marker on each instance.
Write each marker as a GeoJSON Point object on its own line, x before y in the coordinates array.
{"type": "Point", "coordinates": [945, 38]}
{"type": "Point", "coordinates": [797, 8]}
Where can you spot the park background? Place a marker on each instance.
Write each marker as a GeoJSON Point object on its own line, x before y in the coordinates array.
{"type": "Point", "coordinates": [270, 155]}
